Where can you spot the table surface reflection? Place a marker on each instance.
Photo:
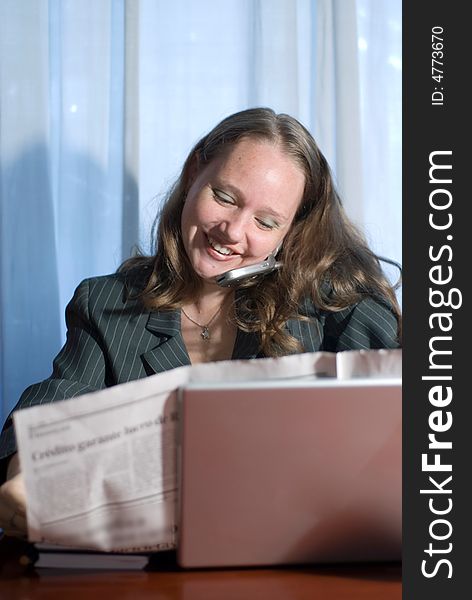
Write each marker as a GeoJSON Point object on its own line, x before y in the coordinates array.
{"type": "Point", "coordinates": [167, 581]}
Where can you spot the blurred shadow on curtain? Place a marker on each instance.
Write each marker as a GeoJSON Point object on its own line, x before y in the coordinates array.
{"type": "Point", "coordinates": [30, 293]}
{"type": "Point", "coordinates": [48, 247]}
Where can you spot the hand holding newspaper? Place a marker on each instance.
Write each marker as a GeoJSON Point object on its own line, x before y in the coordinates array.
{"type": "Point", "coordinates": [101, 469]}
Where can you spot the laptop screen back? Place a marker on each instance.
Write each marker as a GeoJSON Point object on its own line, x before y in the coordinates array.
{"type": "Point", "coordinates": [290, 472]}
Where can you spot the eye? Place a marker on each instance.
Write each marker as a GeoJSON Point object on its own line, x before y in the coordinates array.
{"type": "Point", "coordinates": [266, 224]}
{"type": "Point", "coordinates": [223, 198]}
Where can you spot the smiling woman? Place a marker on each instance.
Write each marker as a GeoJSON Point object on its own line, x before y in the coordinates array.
{"type": "Point", "coordinates": [238, 210]}
{"type": "Point", "coordinates": [256, 186]}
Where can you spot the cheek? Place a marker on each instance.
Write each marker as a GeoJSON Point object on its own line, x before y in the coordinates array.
{"type": "Point", "coordinates": [188, 225]}
{"type": "Point", "coordinates": [189, 220]}
{"type": "Point", "coordinates": [261, 244]}
{"type": "Point", "coordinates": [196, 212]}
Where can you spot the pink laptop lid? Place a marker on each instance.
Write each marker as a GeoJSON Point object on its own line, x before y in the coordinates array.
{"type": "Point", "coordinates": [304, 472]}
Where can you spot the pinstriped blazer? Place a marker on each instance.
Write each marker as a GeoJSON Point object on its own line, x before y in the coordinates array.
{"type": "Point", "coordinates": [112, 338]}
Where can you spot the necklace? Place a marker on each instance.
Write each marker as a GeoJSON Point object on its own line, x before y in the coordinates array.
{"type": "Point", "coordinates": [205, 332]}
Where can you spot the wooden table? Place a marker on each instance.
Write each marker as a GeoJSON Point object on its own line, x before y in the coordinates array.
{"type": "Point", "coordinates": [168, 582]}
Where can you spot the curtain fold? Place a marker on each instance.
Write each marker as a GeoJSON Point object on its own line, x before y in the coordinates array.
{"type": "Point", "coordinates": [100, 103]}
{"type": "Point", "coordinates": [29, 279]}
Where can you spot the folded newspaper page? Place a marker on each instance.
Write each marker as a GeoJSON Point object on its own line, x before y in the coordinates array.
{"type": "Point", "coordinates": [100, 470]}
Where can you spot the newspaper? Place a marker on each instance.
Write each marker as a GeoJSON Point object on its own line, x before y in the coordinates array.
{"type": "Point", "coordinates": [100, 470]}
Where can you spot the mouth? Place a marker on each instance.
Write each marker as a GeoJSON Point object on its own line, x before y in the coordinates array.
{"type": "Point", "coordinates": [217, 247]}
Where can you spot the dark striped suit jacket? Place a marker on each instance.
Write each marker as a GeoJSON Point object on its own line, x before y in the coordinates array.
{"type": "Point", "coordinates": [112, 338]}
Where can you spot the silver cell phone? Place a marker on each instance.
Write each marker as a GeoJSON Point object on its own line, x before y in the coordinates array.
{"type": "Point", "coordinates": [235, 276]}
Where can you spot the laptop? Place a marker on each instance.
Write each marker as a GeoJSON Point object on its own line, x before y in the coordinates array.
{"type": "Point", "coordinates": [290, 472]}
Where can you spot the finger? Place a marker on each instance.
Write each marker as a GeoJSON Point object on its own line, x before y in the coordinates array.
{"type": "Point", "coordinates": [16, 488]}
{"type": "Point", "coordinates": [13, 496]}
{"type": "Point", "coordinates": [19, 523]}
{"type": "Point", "coordinates": [6, 517]}
{"type": "Point", "coordinates": [13, 522]}
{"type": "Point", "coordinates": [13, 467]}
{"type": "Point", "coordinates": [11, 517]}
{"type": "Point", "coordinates": [20, 510]}
{"type": "Point", "coordinates": [16, 523]}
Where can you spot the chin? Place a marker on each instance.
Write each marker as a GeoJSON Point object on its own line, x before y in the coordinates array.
{"type": "Point", "coordinates": [209, 269]}
{"type": "Point", "coordinates": [207, 274]}
{"type": "Point", "coordinates": [210, 277]}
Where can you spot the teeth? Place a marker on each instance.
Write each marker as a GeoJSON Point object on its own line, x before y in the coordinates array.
{"type": "Point", "coordinates": [219, 248]}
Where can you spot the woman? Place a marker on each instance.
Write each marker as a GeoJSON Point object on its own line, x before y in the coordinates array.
{"type": "Point", "coordinates": [256, 186]}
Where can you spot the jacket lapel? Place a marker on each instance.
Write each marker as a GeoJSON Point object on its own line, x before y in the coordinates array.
{"type": "Point", "coordinates": [170, 351]}
{"type": "Point", "coordinates": [308, 332]}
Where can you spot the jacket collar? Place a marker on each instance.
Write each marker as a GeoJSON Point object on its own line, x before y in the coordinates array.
{"type": "Point", "coordinates": [164, 322]}
{"type": "Point", "coordinates": [170, 351]}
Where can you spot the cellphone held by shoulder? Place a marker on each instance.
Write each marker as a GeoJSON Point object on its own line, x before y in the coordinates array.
{"type": "Point", "coordinates": [235, 276]}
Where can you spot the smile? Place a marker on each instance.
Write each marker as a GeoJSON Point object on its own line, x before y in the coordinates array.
{"type": "Point", "coordinates": [218, 247]}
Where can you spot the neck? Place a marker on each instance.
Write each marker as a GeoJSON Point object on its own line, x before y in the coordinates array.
{"type": "Point", "coordinates": [211, 296]}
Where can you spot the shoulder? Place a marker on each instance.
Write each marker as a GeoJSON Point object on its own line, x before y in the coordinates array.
{"type": "Point", "coordinates": [107, 296]}
{"type": "Point", "coordinates": [370, 323]}
{"type": "Point", "coordinates": [109, 290]}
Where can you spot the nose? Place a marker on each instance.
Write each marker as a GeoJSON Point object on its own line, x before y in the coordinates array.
{"type": "Point", "coordinates": [233, 228]}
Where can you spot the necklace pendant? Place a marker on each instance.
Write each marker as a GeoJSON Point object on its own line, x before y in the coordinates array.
{"type": "Point", "coordinates": [205, 333]}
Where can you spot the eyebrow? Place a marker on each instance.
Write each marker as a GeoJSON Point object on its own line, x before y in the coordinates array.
{"type": "Point", "coordinates": [221, 186]}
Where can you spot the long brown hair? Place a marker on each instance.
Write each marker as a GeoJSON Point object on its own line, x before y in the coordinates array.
{"type": "Point", "coordinates": [324, 256]}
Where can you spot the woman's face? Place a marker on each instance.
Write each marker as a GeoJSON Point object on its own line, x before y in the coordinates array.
{"type": "Point", "coordinates": [240, 206]}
